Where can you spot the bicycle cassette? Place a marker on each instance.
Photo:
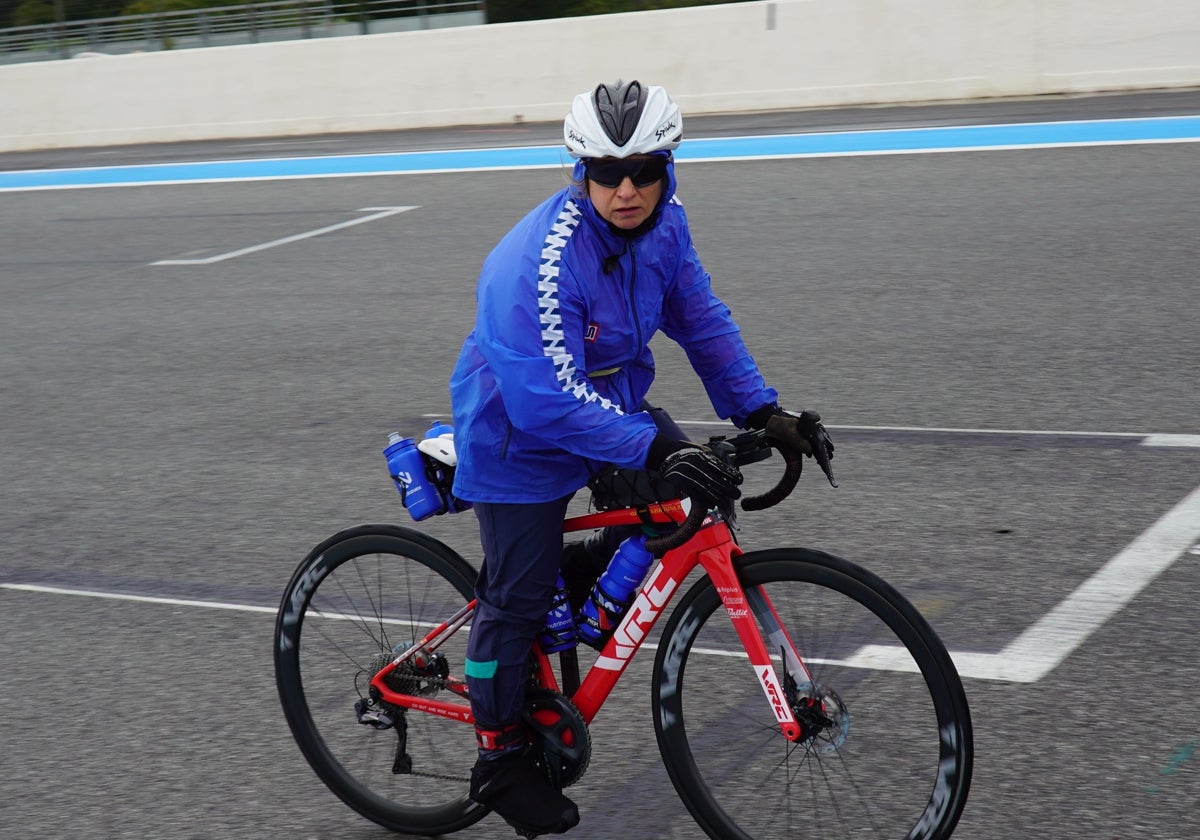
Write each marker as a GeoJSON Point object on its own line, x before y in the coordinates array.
{"type": "Point", "coordinates": [423, 675]}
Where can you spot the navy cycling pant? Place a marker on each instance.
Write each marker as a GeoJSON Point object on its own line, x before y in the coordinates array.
{"type": "Point", "coordinates": [522, 552]}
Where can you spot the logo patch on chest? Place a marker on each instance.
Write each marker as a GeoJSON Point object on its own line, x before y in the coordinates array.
{"type": "Point", "coordinates": [592, 334]}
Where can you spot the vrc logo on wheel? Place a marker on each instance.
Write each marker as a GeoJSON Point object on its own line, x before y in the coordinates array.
{"type": "Point", "coordinates": [304, 587]}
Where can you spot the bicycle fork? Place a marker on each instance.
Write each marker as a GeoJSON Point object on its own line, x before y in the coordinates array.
{"type": "Point", "coordinates": [744, 607]}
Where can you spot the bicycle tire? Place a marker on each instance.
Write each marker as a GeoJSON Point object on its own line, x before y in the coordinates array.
{"type": "Point", "coordinates": [358, 596]}
{"type": "Point", "coordinates": [892, 757]}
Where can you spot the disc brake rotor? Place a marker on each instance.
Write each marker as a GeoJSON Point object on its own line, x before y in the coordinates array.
{"type": "Point", "coordinates": [823, 717]}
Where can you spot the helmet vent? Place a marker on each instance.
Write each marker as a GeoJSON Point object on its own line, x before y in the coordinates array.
{"type": "Point", "coordinates": [619, 107]}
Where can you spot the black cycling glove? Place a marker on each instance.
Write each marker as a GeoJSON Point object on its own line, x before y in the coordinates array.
{"type": "Point", "coordinates": [694, 472]}
{"type": "Point", "coordinates": [803, 432]}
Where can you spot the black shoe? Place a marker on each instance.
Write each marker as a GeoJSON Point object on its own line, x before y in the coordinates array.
{"type": "Point", "coordinates": [517, 789]}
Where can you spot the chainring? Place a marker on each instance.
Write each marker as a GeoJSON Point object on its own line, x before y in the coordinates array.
{"type": "Point", "coordinates": [560, 735]}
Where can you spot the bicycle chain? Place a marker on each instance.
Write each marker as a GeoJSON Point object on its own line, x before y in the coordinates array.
{"type": "Point", "coordinates": [538, 696]}
{"type": "Point", "coordinates": [440, 776]}
{"type": "Point", "coordinates": [440, 684]}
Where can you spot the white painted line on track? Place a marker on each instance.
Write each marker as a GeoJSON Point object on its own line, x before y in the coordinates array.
{"type": "Point", "coordinates": [1172, 440]}
{"type": "Point", "coordinates": [145, 599]}
{"type": "Point", "coordinates": [1150, 439]}
{"type": "Point", "coordinates": [1029, 657]}
{"type": "Point", "coordinates": [1053, 638]}
{"type": "Point", "coordinates": [212, 605]}
{"type": "Point", "coordinates": [383, 213]}
{"type": "Point", "coordinates": [969, 431]}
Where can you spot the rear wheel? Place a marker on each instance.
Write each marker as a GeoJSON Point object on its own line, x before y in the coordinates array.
{"type": "Point", "coordinates": [886, 749]}
{"type": "Point", "coordinates": [356, 600]}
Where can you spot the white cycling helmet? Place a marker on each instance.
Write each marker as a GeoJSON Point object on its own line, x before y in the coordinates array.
{"type": "Point", "coordinates": [622, 119]}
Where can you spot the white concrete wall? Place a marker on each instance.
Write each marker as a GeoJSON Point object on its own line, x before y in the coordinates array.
{"type": "Point", "coordinates": [742, 56]}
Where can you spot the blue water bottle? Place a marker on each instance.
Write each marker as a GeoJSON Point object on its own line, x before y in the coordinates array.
{"type": "Point", "coordinates": [438, 428]}
{"type": "Point", "coordinates": [407, 468]}
{"type": "Point", "coordinates": [559, 632]}
{"type": "Point", "coordinates": [613, 591]}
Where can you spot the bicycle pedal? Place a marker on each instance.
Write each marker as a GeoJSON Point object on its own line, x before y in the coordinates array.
{"type": "Point", "coordinates": [375, 718]}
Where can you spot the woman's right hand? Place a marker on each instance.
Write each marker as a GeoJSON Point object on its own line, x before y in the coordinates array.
{"type": "Point", "coordinates": [701, 476]}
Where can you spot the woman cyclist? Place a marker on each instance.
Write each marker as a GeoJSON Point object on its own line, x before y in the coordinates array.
{"type": "Point", "coordinates": [551, 386]}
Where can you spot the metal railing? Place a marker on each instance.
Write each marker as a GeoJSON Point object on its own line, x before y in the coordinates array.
{"type": "Point", "coordinates": [275, 20]}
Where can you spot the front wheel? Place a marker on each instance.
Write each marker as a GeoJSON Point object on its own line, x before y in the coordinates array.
{"type": "Point", "coordinates": [886, 749]}
{"type": "Point", "coordinates": [358, 599]}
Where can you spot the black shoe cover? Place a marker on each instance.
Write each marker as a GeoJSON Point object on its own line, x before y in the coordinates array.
{"type": "Point", "coordinates": [520, 792]}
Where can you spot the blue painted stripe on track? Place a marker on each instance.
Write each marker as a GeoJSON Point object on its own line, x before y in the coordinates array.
{"type": "Point", "coordinates": [884, 141]}
{"type": "Point", "coordinates": [1154, 129]}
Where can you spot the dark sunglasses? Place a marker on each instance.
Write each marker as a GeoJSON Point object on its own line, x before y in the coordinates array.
{"type": "Point", "coordinates": [610, 172]}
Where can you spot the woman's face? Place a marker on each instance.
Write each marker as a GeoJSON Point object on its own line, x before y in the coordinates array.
{"type": "Point", "coordinates": [625, 206]}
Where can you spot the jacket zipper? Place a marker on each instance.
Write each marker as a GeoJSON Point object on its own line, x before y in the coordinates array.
{"type": "Point", "coordinates": [508, 430]}
{"type": "Point", "coordinates": [637, 322]}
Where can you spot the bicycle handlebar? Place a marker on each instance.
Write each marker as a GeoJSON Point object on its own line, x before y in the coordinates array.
{"type": "Point", "coordinates": [687, 529]}
{"type": "Point", "coordinates": [746, 448]}
{"type": "Point", "coordinates": [793, 467]}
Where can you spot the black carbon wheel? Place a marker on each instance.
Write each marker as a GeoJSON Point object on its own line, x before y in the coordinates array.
{"type": "Point", "coordinates": [887, 746]}
{"type": "Point", "coordinates": [355, 599]}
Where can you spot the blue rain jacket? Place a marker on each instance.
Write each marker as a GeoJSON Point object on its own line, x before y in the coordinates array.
{"type": "Point", "coordinates": [548, 384]}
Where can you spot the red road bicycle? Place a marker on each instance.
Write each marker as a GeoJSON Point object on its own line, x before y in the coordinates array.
{"type": "Point", "coordinates": [794, 693]}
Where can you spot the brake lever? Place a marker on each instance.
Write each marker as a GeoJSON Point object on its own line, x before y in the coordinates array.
{"type": "Point", "coordinates": [814, 431]}
{"type": "Point", "coordinates": [823, 462]}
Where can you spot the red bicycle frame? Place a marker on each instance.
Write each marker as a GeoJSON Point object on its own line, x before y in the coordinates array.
{"type": "Point", "coordinates": [712, 548]}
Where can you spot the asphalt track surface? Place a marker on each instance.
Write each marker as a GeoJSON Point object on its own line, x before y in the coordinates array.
{"type": "Point", "coordinates": [1004, 343]}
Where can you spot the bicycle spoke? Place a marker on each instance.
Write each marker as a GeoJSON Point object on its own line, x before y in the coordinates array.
{"type": "Point", "coordinates": [866, 764]}
{"type": "Point", "coordinates": [376, 589]}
